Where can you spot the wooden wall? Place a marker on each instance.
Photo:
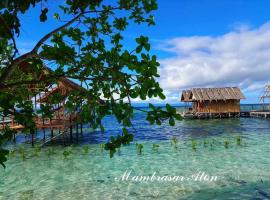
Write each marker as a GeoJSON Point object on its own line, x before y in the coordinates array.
{"type": "Point", "coordinates": [229, 106]}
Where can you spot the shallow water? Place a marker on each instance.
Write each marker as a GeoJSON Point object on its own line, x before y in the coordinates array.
{"type": "Point", "coordinates": [242, 168]}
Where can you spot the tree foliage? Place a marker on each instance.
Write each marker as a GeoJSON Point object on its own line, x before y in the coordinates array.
{"type": "Point", "coordinates": [87, 48]}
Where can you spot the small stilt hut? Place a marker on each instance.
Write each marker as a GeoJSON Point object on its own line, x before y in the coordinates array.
{"type": "Point", "coordinates": [264, 110]}
{"type": "Point", "coordinates": [61, 120]}
{"type": "Point", "coordinates": [212, 102]}
{"type": "Point", "coordinates": [265, 98]}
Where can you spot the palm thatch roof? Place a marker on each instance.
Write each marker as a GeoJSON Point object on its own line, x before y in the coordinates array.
{"type": "Point", "coordinates": [64, 85]}
{"type": "Point", "coordinates": [212, 94]}
{"type": "Point", "coordinates": [65, 82]}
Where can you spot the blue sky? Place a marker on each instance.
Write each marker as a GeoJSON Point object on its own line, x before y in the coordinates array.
{"type": "Point", "coordinates": [199, 43]}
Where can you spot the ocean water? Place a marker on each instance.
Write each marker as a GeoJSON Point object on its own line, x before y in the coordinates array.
{"type": "Point", "coordinates": [235, 151]}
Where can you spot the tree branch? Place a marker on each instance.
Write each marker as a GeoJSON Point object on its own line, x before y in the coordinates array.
{"type": "Point", "coordinates": [47, 36]}
{"type": "Point", "coordinates": [10, 69]}
{"type": "Point", "coordinates": [34, 51]}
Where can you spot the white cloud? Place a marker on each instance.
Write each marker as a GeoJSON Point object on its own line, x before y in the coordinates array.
{"type": "Point", "coordinates": [238, 58]}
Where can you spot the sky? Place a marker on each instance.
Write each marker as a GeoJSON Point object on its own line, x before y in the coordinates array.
{"type": "Point", "coordinates": [199, 43]}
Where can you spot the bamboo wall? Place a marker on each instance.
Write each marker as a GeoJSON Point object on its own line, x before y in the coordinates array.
{"type": "Point", "coordinates": [229, 106]}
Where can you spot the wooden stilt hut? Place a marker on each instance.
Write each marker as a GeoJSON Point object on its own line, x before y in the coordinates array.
{"type": "Point", "coordinates": [264, 110]}
{"type": "Point", "coordinates": [265, 98]}
{"type": "Point", "coordinates": [212, 102]}
{"type": "Point", "coordinates": [61, 119]}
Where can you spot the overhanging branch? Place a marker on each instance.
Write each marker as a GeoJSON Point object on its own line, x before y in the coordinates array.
{"type": "Point", "coordinates": [34, 51]}
{"type": "Point", "coordinates": [47, 36]}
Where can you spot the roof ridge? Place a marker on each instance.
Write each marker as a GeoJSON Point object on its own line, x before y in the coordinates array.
{"type": "Point", "coordinates": [218, 93]}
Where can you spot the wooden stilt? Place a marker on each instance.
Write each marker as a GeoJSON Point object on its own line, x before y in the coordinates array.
{"type": "Point", "coordinates": [51, 129]}
{"type": "Point", "coordinates": [81, 129]}
{"type": "Point", "coordinates": [77, 131]}
{"type": "Point", "coordinates": [59, 119]}
{"type": "Point", "coordinates": [14, 137]}
{"type": "Point", "coordinates": [71, 137]}
{"type": "Point", "coordinates": [44, 134]}
{"type": "Point", "coordinates": [70, 129]}
{"type": "Point", "coordinates": [63, 137]}
{"type": "Point", "coordinates": [32, 137]}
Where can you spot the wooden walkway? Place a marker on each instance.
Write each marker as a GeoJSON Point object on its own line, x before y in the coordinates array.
{"type": "Point", "coordinates": [43, 93]}
{"type": "Point", "coordinates": [63, 126]}
{"type": "Point", "coordinates": [260, 114]}
{"type": "Point", "coordinates": [201, 115]}
{"type": "Point", "coordinates": [205, 115]}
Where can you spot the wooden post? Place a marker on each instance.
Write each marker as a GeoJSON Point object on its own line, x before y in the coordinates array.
{"type": "Point", "coordinates": [71, 137]}
{"type": "Point", "coordinates": [44, 134]}
{"type": "Point", "coordinates": [14, 137]}
{"type": "Point", "coordinates": [77, 131]}
{"type": "Point", "coordinates": [63, 137]}
{"type": "Point", "coordinates": [13, 124]}
{"type": "Point", "coordinates": [51, 133]}
{"type": "Point", "coordinates": [70, 129]}
{"type": "Point", "coordinates": [32, 137]}
{"type": "Point", "coordinates": [81, 129]}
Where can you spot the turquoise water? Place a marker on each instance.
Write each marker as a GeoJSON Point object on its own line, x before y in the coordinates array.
{"type": "Point", "coordinates": [237, 151]}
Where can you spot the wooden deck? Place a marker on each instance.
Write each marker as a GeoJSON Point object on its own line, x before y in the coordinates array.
{"type": "Point", "coordinates": [206, 115]}
{"type": "Point", "coordinates": [260, 114]}
{"type": "Point", "coordinates": [56, 123]}
{"type": "Point", "coordinates": [62, 119]}
{"type": "Point", "coordinates": [63, 126]}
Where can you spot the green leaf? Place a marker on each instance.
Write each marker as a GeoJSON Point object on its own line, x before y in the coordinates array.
{"type": "Point", "coordinates": [3, 156]}
{"type": "Point", "coordinates": [178, 117]}
{"type": "Point", "coordinates": [139, 49]}
{"type": "Point", "coordinates": [171, 121]}
{"type": "Point", "coordinates": [162, 96]}
{"type": "Point", "coordinates": [147, 46]}
{"type": "Point", "coordinates": [43, 15]}
{"type": "Point", "coordinates": [56, 16]}
{"type": "Point", "coordinates": [151, 106]}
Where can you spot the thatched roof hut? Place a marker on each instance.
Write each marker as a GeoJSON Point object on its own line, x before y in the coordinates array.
{"type": "Point", "coordinates": [214, 100]}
